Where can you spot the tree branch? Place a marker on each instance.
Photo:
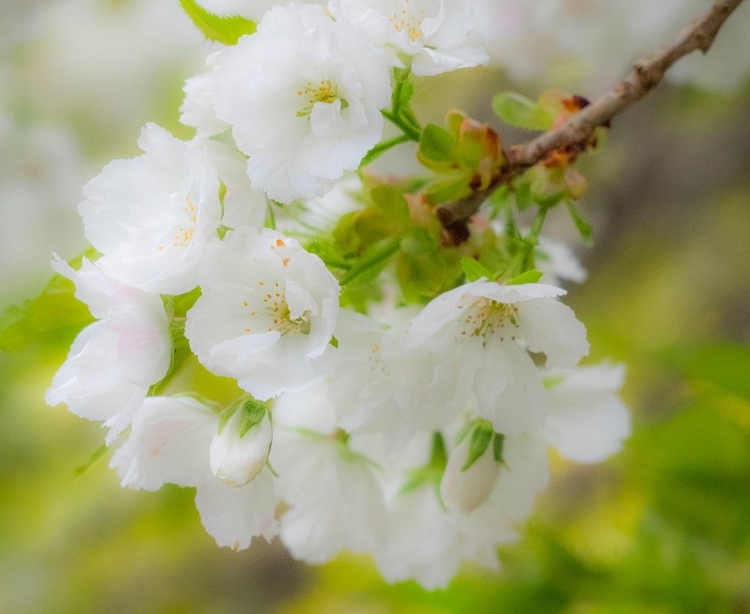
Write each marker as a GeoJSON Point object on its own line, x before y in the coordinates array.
{"type": "Point", "coordinates": [646, 74]}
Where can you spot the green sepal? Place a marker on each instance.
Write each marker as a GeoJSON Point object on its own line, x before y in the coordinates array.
{"type": "Point", "coordinates": [583, 227]}
{"type": "Point", "coordinates": [519, 111]}
{"type": "Point", "coordinates": [180, 304]}
{"type": "Point", "coordinates": [432, 472]}
{"type": "Point", "coordinates": [481, 437]}
{"type": "Point", "coordinates": [222, 231]}
{"type": "Point", "coordinates": [474, 270]}
{"type": "Point", "coordinates": [527, 277]}
{"type": "Point", "coordinates": [498, 443]}
{"type": "Point", "coordinates": [552, 381]}
{"type": "Point", "coordinates": [253, 413]}
{"type": "Point", "coordinates": [334, 342]}
{"type": "Point", "coordinates": [225, 29]}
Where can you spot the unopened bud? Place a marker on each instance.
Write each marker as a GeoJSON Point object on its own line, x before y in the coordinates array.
{"type": "Point", "coordinates": [471, 472]}
{"type": "Point", "coordinates": [239, 453]}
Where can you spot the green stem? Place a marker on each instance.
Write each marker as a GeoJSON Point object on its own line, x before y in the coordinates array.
{"type": "Point", "coordinates": [383, 252]}
{"type": "Point", "coordinates": [381, 148]}
{"type": "Point", "coordinates": [410, 131]}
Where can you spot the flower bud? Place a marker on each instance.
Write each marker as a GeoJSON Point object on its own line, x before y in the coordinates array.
{"type": "Point", "coordinates": [238, 453]}
{"type": "Point", "coordinates": [472, 470]}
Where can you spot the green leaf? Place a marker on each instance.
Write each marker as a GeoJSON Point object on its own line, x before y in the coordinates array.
{"type": "Point", "coordinates": [220, 28]}
{"type": "Point", "coordinates": [481, 437]}
{"type": "Point", "coordinates": [474, 270]}
{"type": "Point", "coordinates": [583, 227]}
{"type": "Point", "coordinates": [527, 277]}
{"type": "Point", "coordinates": [437, 145]}
{"type": "Point", "coordinates": [519, 111]}
{"type": "Point", "coordinates": [392, 203]}
{"type": "Point", "coordinates": [253, 413]}
{"type": "Point", "coordinates": [54, 316]}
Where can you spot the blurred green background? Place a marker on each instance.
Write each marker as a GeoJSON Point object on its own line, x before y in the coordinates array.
{"type": "Point", "coordinates": [662, 527]}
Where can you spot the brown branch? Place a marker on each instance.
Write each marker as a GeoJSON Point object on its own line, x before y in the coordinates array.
{"type": "Point", "coordinates": [645, 75]}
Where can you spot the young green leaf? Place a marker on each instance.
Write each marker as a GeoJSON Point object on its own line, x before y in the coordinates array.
{"type": "Point", "coordinates": [583, 227]}
{"type": "Point", "coordinates": [519, 111]}
{"type": "Point", "coordinates": [225, 29]}
{"type": "Point", "coordinates": [474, 270]}
{"type": "Point", "coordinates": [528, 277]}
{"type": "Point", "coordinates": [437, 145]}
{"type": "Point", "coordinates": [53, 316]}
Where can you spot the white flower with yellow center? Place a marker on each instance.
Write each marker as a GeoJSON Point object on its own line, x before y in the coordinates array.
{"type": "Point", "coordinates": [470, 350]}
{"type": "Point", "coordinates": [440, 35]}
{"type": "Point", "coordinates": [152, 216]}
{"type": "Point", "coordinates": [267, 312]}
{"type": "Point", "coordinates": [303, 96]}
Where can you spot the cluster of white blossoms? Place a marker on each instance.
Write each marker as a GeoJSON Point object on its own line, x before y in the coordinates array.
{"type": "Point", "coordinates": [416, 433]}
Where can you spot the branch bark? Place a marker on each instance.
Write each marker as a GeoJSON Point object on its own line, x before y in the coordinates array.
{"type": "Point", "coordinates": [646, 74]}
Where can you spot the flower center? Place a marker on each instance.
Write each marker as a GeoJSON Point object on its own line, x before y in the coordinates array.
{"type": "Point", "coordinates": [405, 21]}
{"type": "Point", "coordinates": [183, 234]}
{"type": "Point", "coordinates": [485, 318]}
{"type": "Point", "coordinates": [275, 315]}
{"type": "Point", "coordinates": [312, 93]}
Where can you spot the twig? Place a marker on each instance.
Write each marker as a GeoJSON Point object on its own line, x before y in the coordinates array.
{"type": "Point", "coordinates": [645, 75]}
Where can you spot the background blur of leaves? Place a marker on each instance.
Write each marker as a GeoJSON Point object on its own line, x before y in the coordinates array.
{"type": "Point", "coordinates": [662, 527]}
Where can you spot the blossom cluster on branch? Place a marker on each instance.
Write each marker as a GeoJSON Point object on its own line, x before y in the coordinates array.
{"type": "Point", "coordinates": [399, 379]}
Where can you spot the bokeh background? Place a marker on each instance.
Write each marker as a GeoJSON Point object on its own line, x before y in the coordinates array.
{"type": "Point", "coordinates": [662, 527]}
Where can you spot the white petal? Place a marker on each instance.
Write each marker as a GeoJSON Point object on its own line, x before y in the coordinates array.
{"type": "Point", "coordinates": [551, 327]}
{"type": "Point", "coordinates": [169, 442]}
{"type": "Point", "coordinates": [233, 516]}
{"type": "Point", "coordinates": [588, 421]}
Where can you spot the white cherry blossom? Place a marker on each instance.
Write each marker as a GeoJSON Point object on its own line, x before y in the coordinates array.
{"type": "Point", "coordinates": [469, 348]}
{"type": "Point", "coordinates": [267, 312]}
{"type": "Point", "coordinates": [303, 96]}
{"type": "Point", "coordinates": [440, 35]}
{"type": "Point", "coordinates": [152, 216]}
